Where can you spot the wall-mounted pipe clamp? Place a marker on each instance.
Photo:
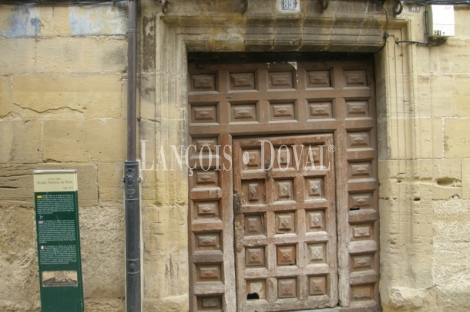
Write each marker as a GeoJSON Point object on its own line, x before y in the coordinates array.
{"type": "Point", "coordinates": [164, 5]}
{"type": "Point", "coordinates": [398, 7]}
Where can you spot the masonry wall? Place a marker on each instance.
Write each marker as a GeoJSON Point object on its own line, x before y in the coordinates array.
{"type": "Point", "coordinates": [62, 106]}
{"type": "Point", "coordinates": [423, 172]}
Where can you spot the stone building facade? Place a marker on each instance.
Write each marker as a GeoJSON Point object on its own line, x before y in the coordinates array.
{"type": "Point", "coordinates": [63, 85]}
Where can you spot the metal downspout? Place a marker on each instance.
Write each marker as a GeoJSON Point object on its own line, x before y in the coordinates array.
{"type": "Point", "coordinates": [131, 174]}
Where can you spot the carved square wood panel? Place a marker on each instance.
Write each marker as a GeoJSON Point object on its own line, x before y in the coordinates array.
{"type": "Point", "coordinates": [209, 303]}
{"type": "Point", "coordinates": [284, 157]}
{"type": "Point", "coordinates": [204, 114]}
{"type": "Point", "coordinates": [318, 79]}
{"type": "Point", "coordinates": [316, 253]}
{"type": "Point", "coordinates": [357, 109]}
{"type": "Point", "coordinates": [357, 140]}
{"type": "Point", "coordinates": [283, 190]}
{"type": "Point", "coordinates": [361, 200]}
{"type": "Point", "coordinates": [204, 82]}
{"type": "Point", "coordinates": [315, 220]}
{"type": "Point", "coordinates": [206, 178]}
{"type": "Point", "coordinates": [253, 192]}
{"type": "Point", "coordinates": [287, 288]}
{"type": "Point", "coordinates": [362, 231]}
{"type": "Point", "coordinates": [317, 285]}
{"type": "Point", "coordinates": [362, 292]}
{"type": "Point", "coordinates": [316, 157]}
{"type": "Point", "coordinates": [314, 189]}
{"type": "Point", "coordinates": [286, 255]}
{"type": "Point", "coordinates": [256, 289]}
{"type": "Point", "coordinates": [207, 241]}
{"type": "Point", "coordinates": [242, 81]}
{"type": "Point", "coordinates": [282, 112]}
{"type": "Point", "coordinates": [202, 153]}
{"type": "Point", "coordinates": [285, 222]}
{"type": "Point", "coordinates": [208, 273]}
{"type": "Point", "coordinates": [207, 210]}
{"type": "Point", "coordinates": [362, 262]}
{"type": "Point", "coordinates": [355, 78]}
{"type": "Point", "coordinates": [320, 110]}
{"type": "Point", "coordinates": [251, 159]}
{"type": "Point", "coordinates": [281, 80]}
{"type": "Point", "coordinates": [243, 113]}
{"type": "Point", "coordinates": [205, 145]}
{"type": "Point", "coordinates": [254, 225]}
{"type": "Point", "coordinates": [360, 170]}
{"type": "Point", "coordinates": [255, 257]}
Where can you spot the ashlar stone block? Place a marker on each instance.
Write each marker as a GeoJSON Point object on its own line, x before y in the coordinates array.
{"type": "Point", "coordinates": [93, 96]}
{"type": "Point", "coordinates": [456, 139]}
{"type": "Point", "coordinates": [20, 142]}
{"type": "Point", "coordinates": [5, 95]}
{"type": "Point", "coordinates": [85, 140]}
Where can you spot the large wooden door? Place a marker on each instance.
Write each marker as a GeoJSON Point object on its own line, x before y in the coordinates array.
{"type": "Point", "coordinates": [283, 238]}
{"type": "Point", "coordinates": [285, 223]}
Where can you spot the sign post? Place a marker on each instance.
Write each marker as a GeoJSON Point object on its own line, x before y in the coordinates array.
{"type": "Point", "coordinates": [58, 240]}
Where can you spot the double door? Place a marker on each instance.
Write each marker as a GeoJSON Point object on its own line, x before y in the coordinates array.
{"type": "Point", "coordinates": [283, 193]}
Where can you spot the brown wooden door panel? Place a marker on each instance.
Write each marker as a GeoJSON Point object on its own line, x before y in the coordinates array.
{"type": "Point", "coordinates": [285, 231]}
{"type": "Point", "coordinates": [300, 239]}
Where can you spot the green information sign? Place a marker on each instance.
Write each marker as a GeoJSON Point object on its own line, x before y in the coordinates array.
{"type": "Point", "coordinates": [58, 237]}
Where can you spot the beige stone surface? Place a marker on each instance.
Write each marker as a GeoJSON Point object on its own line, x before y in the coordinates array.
{"type": "Point", "coordinates": [443, 95]}
{"type": "Point", "coordinates": [20, 141]}
{"type": "Point", "coordinates": [5, 95]}
{"type": "Point", "coordinates": [85, 140]}
{"type": "Point", "coordinates": [102, 247]}
{"type": "Point", "coordinates": [454, 55]}
{"type": "Point", "coordinates": [447, 178]}
{"type": "Point", "coordinates": [16, 182]}
{"type": "Point", "coordinates": [18, 258]}
{"type": "Point", "coordinates": [462, 95]}
{"type": "Point", "coordinates": [424, 137]}
{"type": "Point", "coordinates": [424, 91]}
{"type": "Point", "coordinates": [111, 187]}
{"type": "Point", "coordinates": [456, 138]}
{"type": "Point", "coordinates": [466, 178]}
{"type": "Point", "coordinates": [18, 55]}
{"type": "Point", "coordinates": [437, 137]}
{"type": "Point", "coordinates": [55, 21]}
{"type": "Point", "coordinates": [451, 269]}
{"type": "Point", "coordinates": [90, 96]}
{"type": "Point", "coordinates": [461, 14]}
{"type": "Point", "coordinates": [165, 251]}
{"type": "Point", "coordinates": [105, 305]}
{"type": "Point", "coordinates": [169, 304]}
{"type": "Point", "coordinates": [81, 55]}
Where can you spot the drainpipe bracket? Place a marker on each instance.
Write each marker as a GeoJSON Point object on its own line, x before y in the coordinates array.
{"type": "Point", "coordinates": [164, 4]}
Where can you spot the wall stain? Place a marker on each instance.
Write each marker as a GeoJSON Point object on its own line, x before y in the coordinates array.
{"type": "Point", "coordinates": [22, 23]}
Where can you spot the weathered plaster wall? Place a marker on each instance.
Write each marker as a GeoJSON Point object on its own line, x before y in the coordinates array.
{"type": "Point", "coordinates": [62, 71]}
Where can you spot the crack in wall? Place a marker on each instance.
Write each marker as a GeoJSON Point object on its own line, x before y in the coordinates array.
{"type": "Point", "coordinates": [64, 110]}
